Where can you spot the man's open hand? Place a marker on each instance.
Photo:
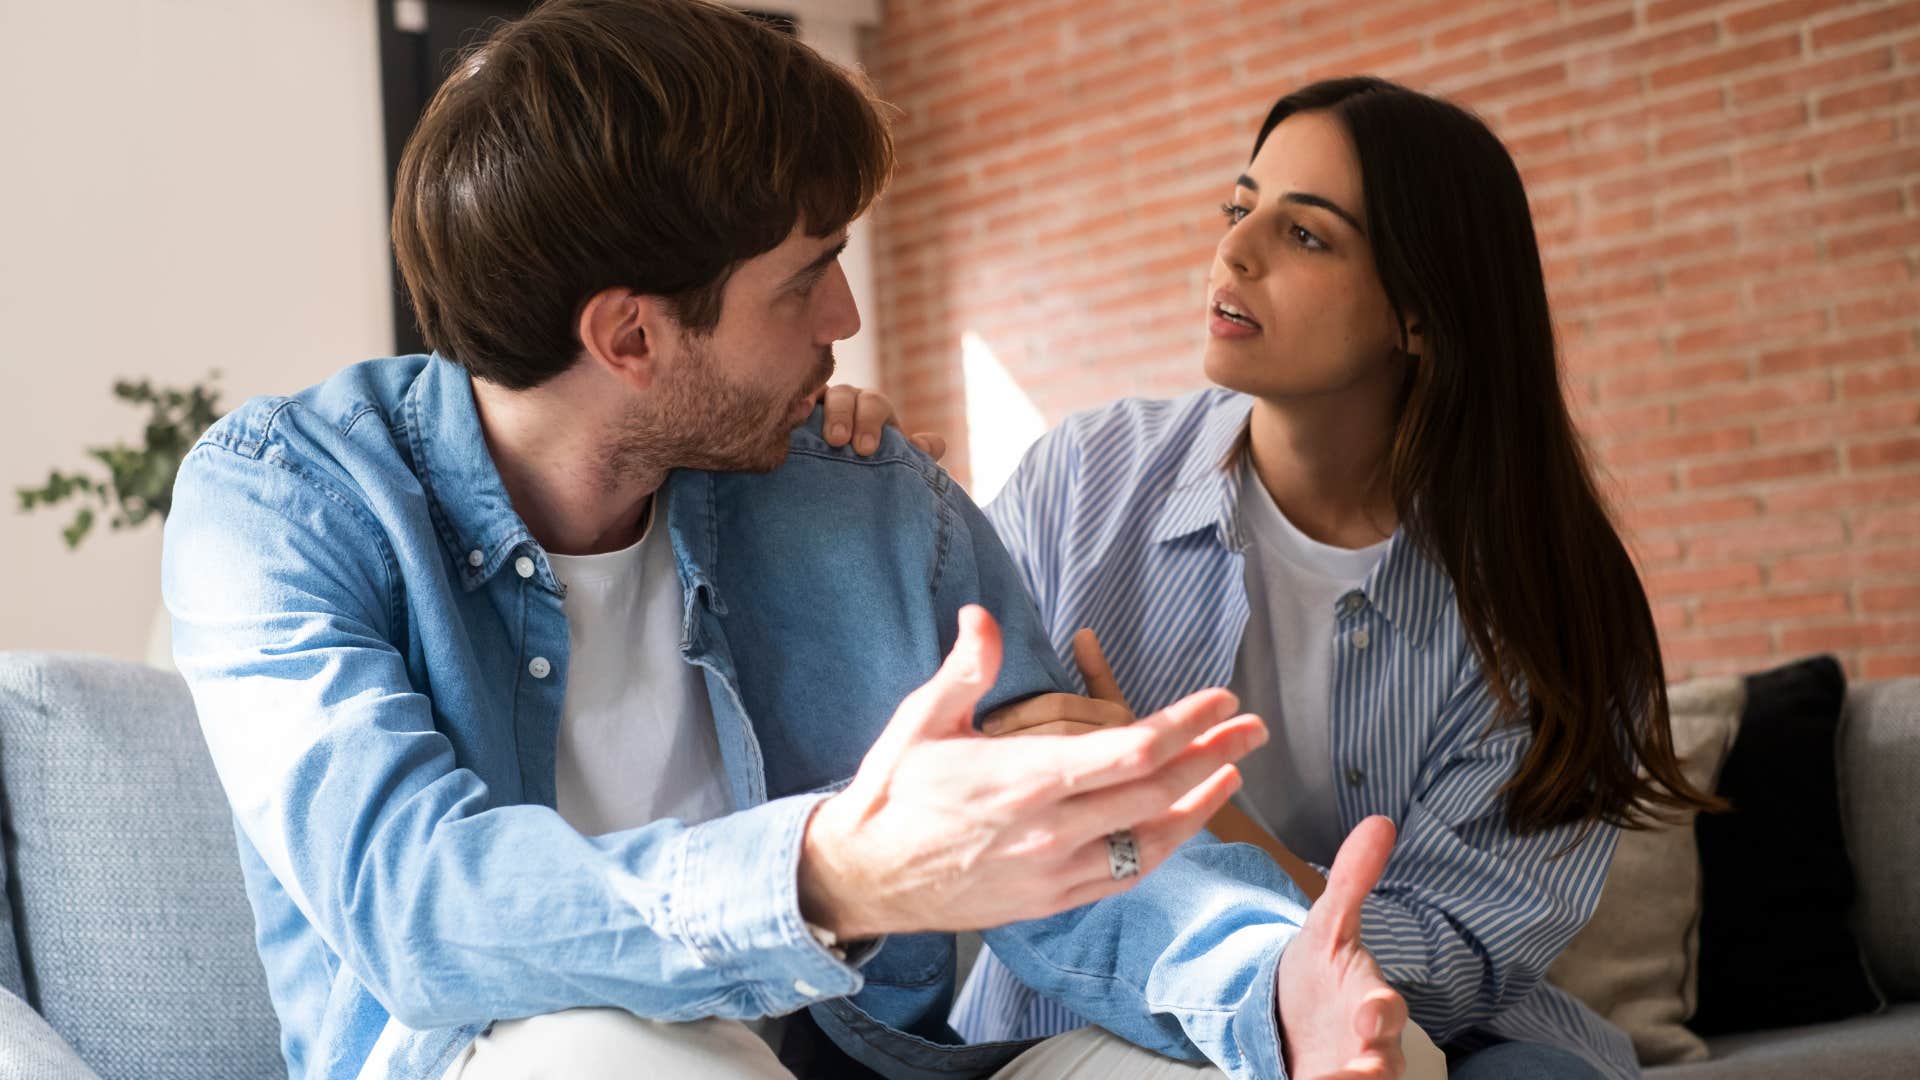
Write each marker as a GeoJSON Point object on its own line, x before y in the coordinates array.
{"type": "Point", "coordinates": [946, 829]}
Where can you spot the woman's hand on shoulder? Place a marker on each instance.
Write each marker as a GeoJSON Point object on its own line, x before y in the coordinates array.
{"type": "Point", "coordinates": [857, 416]}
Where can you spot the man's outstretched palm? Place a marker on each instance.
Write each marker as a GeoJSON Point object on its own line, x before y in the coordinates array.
{"type": "Point", "coordinates": [1339, 1019]}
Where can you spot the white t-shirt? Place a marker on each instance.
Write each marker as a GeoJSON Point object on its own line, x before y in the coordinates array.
{"type": "Point", "coordinates": [636, 731]}
{"type": "Point", "coordinates": [1284, 667]}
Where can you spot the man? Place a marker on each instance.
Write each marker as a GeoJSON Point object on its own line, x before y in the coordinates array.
{"type": "Point", "coordinates": [570, 732]}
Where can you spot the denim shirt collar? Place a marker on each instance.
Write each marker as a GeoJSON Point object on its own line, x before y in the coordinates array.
{"type": "Point", "coordinates": [1409, 589]}
{"type": "Point", "coordinates": [475, 518]}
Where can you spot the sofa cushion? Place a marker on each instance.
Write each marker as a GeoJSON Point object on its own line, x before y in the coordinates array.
{"type": "Point", "coordinates": [1885, 1046]}
{"type": "Point", "coordinates": [1880, 803]}
{"type": "Point", "coordinates": [11, 979]}
{"type": "Point", "coordinates": [1777, 888]}
{"type": "Point", "coordinates": [135, 935]}
{"type": "Point", "coordinates": [1635, 960]}
{"type": "Point", "coordinates": [30, 1050]}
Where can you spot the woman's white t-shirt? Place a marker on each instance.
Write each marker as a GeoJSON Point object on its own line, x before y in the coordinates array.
{"type": "Point", "coordinates": [1284, 667]}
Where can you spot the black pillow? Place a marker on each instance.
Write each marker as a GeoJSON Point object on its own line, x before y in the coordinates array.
{"type": "Point", "coordinates": [1776, 884]}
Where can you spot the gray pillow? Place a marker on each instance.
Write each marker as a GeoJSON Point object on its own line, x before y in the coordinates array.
{"type": "Point", "coordinates": [30, 1050]}
{"type": "Point", "coordinates": [1879, 805]}
{"type": "Point", "coordinates": [135, 936]}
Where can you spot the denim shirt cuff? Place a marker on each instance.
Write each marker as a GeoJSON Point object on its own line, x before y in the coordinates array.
{"type": "Point", "coordinates": [1256, 1030]}
{"type": "Point", "coordinates": [739, 907]}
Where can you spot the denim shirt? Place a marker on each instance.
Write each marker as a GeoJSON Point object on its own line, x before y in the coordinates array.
{"type": "Point", "coordinates": [378, 653]}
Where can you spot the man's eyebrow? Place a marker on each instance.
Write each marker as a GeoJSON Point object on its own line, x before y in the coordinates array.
{"type": "Point", "coordinates": [816, 266]}
{"type": "Point", "coordinates": [1306, 199]}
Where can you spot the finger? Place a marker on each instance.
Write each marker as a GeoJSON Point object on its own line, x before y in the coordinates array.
{"type": "Point", "coordinates": [1356, 870]}
{"type": "Point", "coordinates": [1094, 667]}
{"type": "Point", "coordinates": [1120, 754]}
{"type": "Point", "coordinates": [1167, 790]}
{"type": "Point", "coordinates": [1154, 841]}
{"type": "Point", "coordinates": [1053, 708]}
{"type": "Point", "coordinates": [943, 706]}
{"type": "Point", "coordinates": [1381, 1020]}
{"type": "Point", "coordinates": [1054, 727]}
{"type": "Point", "coordinates": [932, 445]}
{"type": "Point", "coordinates": [838, 423]}
{"type": "Point", "coordinates": [870, 414]}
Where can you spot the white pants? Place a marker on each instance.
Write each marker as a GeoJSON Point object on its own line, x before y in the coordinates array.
{"type": "Point", "coordinates": [588, 1044]}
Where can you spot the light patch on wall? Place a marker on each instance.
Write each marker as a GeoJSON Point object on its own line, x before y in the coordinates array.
{"type": "Point", "coordinates": [1001, 421]}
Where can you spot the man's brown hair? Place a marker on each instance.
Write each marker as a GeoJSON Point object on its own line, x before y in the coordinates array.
{"type": "Point", "coordinates": [645, 144]}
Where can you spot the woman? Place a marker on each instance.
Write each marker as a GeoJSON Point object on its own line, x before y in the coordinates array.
{"type": "Point", "coordinates": [1381, 531]}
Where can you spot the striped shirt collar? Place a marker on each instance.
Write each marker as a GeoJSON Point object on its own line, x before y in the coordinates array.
{"type": "Point", "coordinates": [1407, 587]}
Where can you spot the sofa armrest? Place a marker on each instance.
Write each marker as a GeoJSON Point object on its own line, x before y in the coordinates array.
{"type": "Point", "coordinates": [30, 1050]}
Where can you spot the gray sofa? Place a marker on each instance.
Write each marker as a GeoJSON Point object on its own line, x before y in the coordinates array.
{"type": "Point", "coordinates": [126, 944]}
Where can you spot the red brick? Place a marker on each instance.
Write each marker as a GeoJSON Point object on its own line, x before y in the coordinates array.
{"type": "Point", "coordinates": [1504, 21]}
{"type": "Point", "coordinates": [1670, 447]}
{"type": "Point", "coordinates": [1901, 307]}
{"type": "Point", "coordinates": [1769, 539]}
{"type": "Point", "coordinates": [1831, 281]}
{"type": "Point", "coordinates": [1814, 146]}
{"type": "Point", "coordinates": [1895, 665]}
{"type": "Point", "coordinates": [1901, 163]}
{"type": "Point", "coordinates": [1750, 331]}
{"type": "Point", "coordinates": [1886, 452]}
{"type": "Point", "coordinates": [1695, 582]}
{"type": "Point", "coordinates": [1760, 18]}
{"type": "Point", "coordinates": [1697, 647]}
{"type": "Point", "coordinates": [1834, 637]}
{"type": "Point", "coordinates": [1574, 34]}
{"type": "Point", "coordinates": [1724, 62]}
{"type": "Point", "coordinates": [1886, 20]}
{"type": "Point", "coordinates": [1692, 511]}
{"type": "Point", "coordinates": [1665, 10]}
{"type": "Point", "coordinates": [1800, 79]}
{"type": "Point", "coordinates": [1768, 397]}
{"type": "Point", "coordinates": [1872, 96]}
{"type": "Point", "coordinates": [1904, 234]}
{"type": "Point", "coordinates": [1771, 467]}
{"type": "Point", "coordinates": [1891, 599]}
{"type": "Point", "coordinates": [1851, 351]}
{"type": "Point", "coordinates": [1770, 608]}
{"type": "Point", "coordinates": [1889, 380]}
{"type": "Point", "coordinates": [1829, 495]}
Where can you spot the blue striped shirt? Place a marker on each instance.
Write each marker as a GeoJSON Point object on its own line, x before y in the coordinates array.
{"type": "Point", "coordinates": [1125, 519]}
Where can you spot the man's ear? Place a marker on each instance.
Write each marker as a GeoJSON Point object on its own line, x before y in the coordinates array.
{"type": "Point", "coordinates": [622, 332]}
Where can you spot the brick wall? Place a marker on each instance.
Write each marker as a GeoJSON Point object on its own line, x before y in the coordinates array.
{"type": "Point", "coordinates": [1728, 200]}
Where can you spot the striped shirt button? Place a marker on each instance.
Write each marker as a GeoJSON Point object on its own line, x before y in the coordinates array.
{"type": "Point", "coordinates": [1354, 601]}
{"type": "Point", "coordinates": [1355, 778]}
{"type": "Point", "coordinates": [1361, 639]}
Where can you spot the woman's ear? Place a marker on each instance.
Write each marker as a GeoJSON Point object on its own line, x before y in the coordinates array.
{"type": "Point", "coordinates": [1413, 341]}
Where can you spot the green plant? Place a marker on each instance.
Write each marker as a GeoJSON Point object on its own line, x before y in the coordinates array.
{"type": "Point", "coordinates": [139, 480]}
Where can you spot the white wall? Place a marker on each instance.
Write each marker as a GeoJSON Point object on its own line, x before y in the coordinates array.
{"type": "Point", "coordinates": [184, 184]}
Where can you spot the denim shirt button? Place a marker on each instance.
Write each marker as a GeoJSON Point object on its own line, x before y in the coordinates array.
{"type": "Point", "coordinates": [538, 667]}
{"type": "Point", "coordinates": [475, 558]}
{"type": "Point", "coordinates": [523, 566]}
{"type": "Point", "coordinates": [805, 988]}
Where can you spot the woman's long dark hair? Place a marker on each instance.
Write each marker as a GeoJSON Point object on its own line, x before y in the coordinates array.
{"type": "Point", "coordinates": [1490, 477]}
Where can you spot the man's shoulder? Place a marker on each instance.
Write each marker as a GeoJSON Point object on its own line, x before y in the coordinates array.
{"type": "Point", "coordinates": [316, 421]}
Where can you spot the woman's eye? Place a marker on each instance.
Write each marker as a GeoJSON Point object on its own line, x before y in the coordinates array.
{"type": "Point", "coordinates": [1232, 213]}
{"type": "Point", "coordinates": [1307, 240]}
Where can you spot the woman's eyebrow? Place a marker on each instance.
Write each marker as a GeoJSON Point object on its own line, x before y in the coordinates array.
{"type": "Point", "coordinates": [1305, 198]}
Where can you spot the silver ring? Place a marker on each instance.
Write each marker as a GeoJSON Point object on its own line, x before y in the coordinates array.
{"type": "Point", "coordinates": [1123, 857]}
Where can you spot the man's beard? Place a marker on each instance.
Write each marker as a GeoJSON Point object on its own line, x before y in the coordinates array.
{"type": "Point", "coordinates": [697, 418]}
